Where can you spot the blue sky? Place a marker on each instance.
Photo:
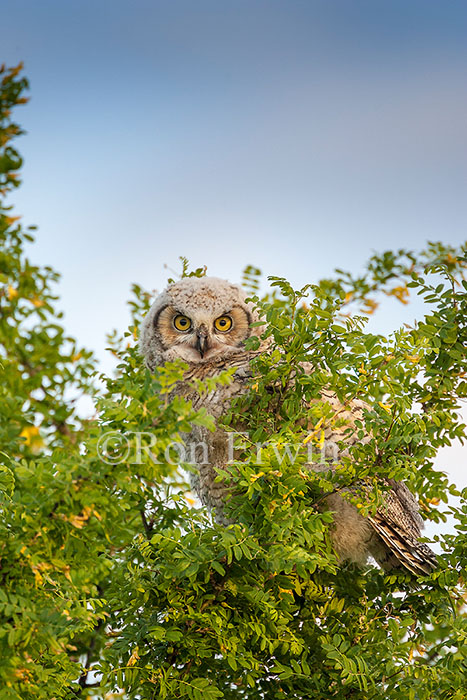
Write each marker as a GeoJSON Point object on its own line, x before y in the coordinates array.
{"type": "Point", "coordinates": [295, 135]}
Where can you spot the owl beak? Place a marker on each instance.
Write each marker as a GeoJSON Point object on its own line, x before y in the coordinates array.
{"type": "Point", "coordinates": [201, 341]}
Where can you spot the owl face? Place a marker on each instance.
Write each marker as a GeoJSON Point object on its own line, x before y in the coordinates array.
{"type": "Point", "coordinates": [197, 320]}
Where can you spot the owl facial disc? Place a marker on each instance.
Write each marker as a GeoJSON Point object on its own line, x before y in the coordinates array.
{"type": "Point", "coordinates": [198, 319]}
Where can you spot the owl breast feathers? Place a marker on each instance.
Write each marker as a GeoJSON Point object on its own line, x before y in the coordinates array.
{"type": "Point", "coordinates": [205, 322]}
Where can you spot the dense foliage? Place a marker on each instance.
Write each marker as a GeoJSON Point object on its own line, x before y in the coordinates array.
{"type": "Point", "coordinates": [114, 585]}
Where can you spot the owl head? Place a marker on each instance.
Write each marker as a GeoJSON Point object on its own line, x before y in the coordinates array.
{"type": "Point", "coordinates": [198, 320]}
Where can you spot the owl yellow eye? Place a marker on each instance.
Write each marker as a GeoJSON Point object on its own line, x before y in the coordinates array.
{"type": "Point", "coordinates": [182, 323]}
{"type": "Point", "coordinates": [223, 323]}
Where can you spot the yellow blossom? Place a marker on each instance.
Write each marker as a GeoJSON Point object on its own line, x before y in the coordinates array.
{"type": "Point", "coordinates": [32, 438]}
{"type": "Point", "coordinates": [413, 358]}
{"type": "Point", "coordinates": [12, 292]}
{"type": "Point", "coordinates": [134, 657]}
{"type": "Point", "coordinates": [370, 306]}
{"type": "Point", "coordinates": [10, 220]}
{"type": "Point", "coordinates": [79, 521]}
{"type": "Point", "coordinates": [253, 477]}
{"type": "Point", "coordinates": [401, 293]}
{"type": "Point", "coordinates": [321, 439]}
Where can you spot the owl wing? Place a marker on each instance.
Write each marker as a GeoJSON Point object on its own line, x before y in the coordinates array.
{"type": "Point", "coordinates": [397, 521]}
{"type": "Point", "coordinates": [398, 524]}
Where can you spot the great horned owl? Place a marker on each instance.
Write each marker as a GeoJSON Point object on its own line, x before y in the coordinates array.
{"type": "Point", "coordinates": [205, 322]}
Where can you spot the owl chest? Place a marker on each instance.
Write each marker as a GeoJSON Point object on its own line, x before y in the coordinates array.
{"type": "Point", "coordinates": [216, 402]}
{"type": "Point", "coordinates": [209, 451]}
